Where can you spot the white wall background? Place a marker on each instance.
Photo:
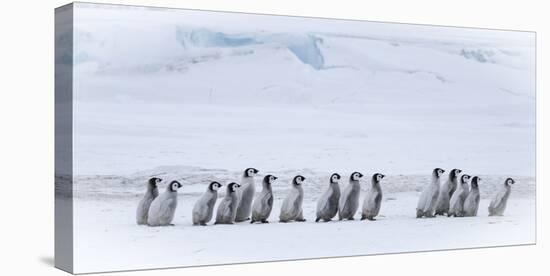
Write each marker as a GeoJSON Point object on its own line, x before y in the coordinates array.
{"type": "Point", "coordinates": [26, 143]}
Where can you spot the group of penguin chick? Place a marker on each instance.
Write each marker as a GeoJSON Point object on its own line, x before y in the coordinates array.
{"type": "Point", "coordinates": [458, 199]}
{"type": "Point", "coordinates": [241, 203]}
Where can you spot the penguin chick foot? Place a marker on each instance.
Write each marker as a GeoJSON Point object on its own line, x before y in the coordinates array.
{"type": "Point", "coordinates": [265, 221]}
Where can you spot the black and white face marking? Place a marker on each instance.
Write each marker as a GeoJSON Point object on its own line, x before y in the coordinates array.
{"type": "Point", "coordinates": [298, 180]}
{"type": "Point", "coordinates": [356, 176]}
{"type": "Point", "coordinates": [214, 186]}
{"type": "Point", "coordinates": [510, 181]}
{"type": "Point", "coordinates": [377, 177]}
{"type": "Point", "coordinates": [465, 178]}
{"type": "Point", "coordinates": [233, 187]}
{"type": "Point", "coordinates": [475, 181]}
{"type": "Point", "coordinates": [438, 172]}
{"type": "Point", "coordinates": [269, 179]}
{"type": "Point", "coordinates": [154, 181]}
{"type": "Point", "coordinates": [335, 178]}
{"type": "Point", "coordinates": [454, 173]}
{"type": "Point", "coordinates": [174, 186]}
{"type": "Point", "coordinates": [250, 172]}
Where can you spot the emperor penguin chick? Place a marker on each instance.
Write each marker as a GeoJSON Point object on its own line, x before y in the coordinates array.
{"type": "Point", "coordinates": [471, 204]}
{"type": "Point", "coordinates": [292, 205]}
{"type": "Point", "coordinates": [144, 204]}
{"type": "Point", "coordinates": [204, 207]}
{"type": "Point", "coordinates": [164, 206]}
{"type": "Point", "coordinates": [227, 209]}
{"type": "Point", "coordinates": [327, 206]}
{"type": "Point", "coordinates": [446, 192]}
{"type": "Point", "coordinates": [246, 195]}
{"type": "Point", "coordinates": [456, 207]}
{"type": "Point", "coordinates": [349, 201]}
{"type": "Point", "coordinates": [428, 197]}
{"type": "Point", "coordinates": [500, 199]}
{"type": "Point", "coordinates": [263, 203]}
{"type": "Point", "coordinates": [373, 199]}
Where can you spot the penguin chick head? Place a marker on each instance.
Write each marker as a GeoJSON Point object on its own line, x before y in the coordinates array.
{"type": "Point", "coordinates": [454, 173]}
{"type": "Point", "coordinates": [233, 187]}
{"type": "Point", "coordinates": [298, 180]}
{"type": "Point", "coordinates": [464, 178]}
{"type": "Point", "coordinates": [475, 181]}
{"type": "Point", "coordinates": [269, 179]}
{"type": "Point", "coordinates": [214, 186]}
{"type": "Point", "coordinates": [154, 181]}
{"type": "Point", "coordinates": [355, 176]}
{"type": "Point", "coordinates": [250, 172]}
{"type": "Point", "coordinates": [377, 177]}
{"type": "Point", "coordinates": [174, 186]}
{"type": "Point", "coordinates": [334, 178]}
{"type": "Point", "coordinates": [438, 172]}
{"type": "Point", "coordinates": [509, 181]}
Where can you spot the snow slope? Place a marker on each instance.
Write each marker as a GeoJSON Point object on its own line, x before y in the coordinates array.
{"type": "Point", "coordinates": [164, 88]}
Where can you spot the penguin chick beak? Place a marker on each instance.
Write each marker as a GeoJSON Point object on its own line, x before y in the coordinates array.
{"type": "Point", "coordinates": [382, 176]}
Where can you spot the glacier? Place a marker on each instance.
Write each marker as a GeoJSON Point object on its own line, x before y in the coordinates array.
{"type": "Point", "coordinates": [304, 46]}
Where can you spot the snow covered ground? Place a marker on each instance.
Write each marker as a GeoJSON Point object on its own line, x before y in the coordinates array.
{"type": "Point", "coordinates": [109, 239]}
{"type": "Point", "coordinates": [199, 96]}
